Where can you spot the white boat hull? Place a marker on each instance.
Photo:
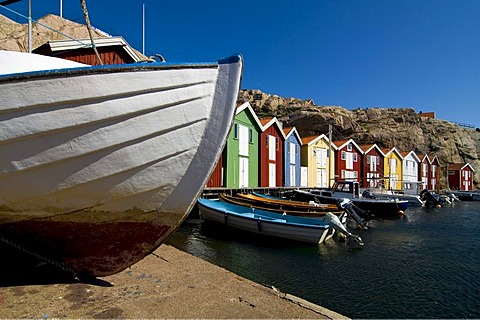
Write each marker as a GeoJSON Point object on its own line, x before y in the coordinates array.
{"type": "Point", "coordinates": [113, 157]}
{"type": "Point", "coordinates": [413, 200]}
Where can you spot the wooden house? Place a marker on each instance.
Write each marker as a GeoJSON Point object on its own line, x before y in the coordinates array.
{"type": "Point", "coordinates": [112, 50]}
{"type": "Point", "coordinates": [216, 179]}
{"type": "Point", "coordinates": [315, 156]}
{"type": "Point", "coordinates": [434, 165]}
{"type": "Point", "coordinates": [291, 163]}
{"type": "Point", "coordinates": [239, 163]}
{"type": "Point", "coordinates": [424, 170]}
{"type": "Point", "coordinates": [348, 155]}
{"type": "Point", "coordinates": [272, 139]}
{"type": "Point", "coordinates": [372, 166]}
{"type": "Point", "coordinates": [410, 168]}
{"type": "Point", "coordinates": [393, 169]}
{"type": "Point", "coordinates": [460, 176]}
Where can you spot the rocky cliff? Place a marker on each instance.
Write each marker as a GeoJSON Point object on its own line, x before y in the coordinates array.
{"type": "Point", "coordinates": [14, 36]}
{"type": "Point", "coordinates": [403, 128]}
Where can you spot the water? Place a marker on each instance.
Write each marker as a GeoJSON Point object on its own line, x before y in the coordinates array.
{"type": "Point", "coordinates": [426, 265]}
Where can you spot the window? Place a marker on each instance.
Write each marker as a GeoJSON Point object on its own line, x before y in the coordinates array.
{"type": "Point", "coordinates": [272, 155]}
{"type": "Point", "coordinates": [355, 157]}
{"type": "Point", "coordinates": [235, 131]}
{"type": "Point", "coordinates": [250, 135]}
{"type": "Point", "coordinates": [349, 147]}
{"type": "Point", "coordinates": [293, 152]}
{"type": "Point", "coordinates": [343, 155]}
{"type": "Point", "coordinates": [266, 141]}
{"type": "Point", "coordinates": [243, 140]}
{"type": "Point", "coordinates": [321, 157]}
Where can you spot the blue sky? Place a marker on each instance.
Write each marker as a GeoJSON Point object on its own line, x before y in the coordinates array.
{"type": "Point", "coordinates": [422, 54]}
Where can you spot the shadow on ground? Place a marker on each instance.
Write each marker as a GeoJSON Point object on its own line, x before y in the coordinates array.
{"type": "Point", "coordinates": [19, 269]}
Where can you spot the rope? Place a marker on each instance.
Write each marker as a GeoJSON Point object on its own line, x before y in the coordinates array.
{"type": "Point", "coordinates": [89, 28]}
{"type": "Point", "coordinates": [62, 266]}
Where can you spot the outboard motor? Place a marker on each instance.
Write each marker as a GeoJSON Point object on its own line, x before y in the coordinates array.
{"type": "Point", "coordinates": [431, 199]}
{"type": "Point", "coordinates": [453, 197]}
{"type": "Point", "coordinates": [444, 200]}
{"type": "Point", "coordinates": [350, 209]}
{"type": "Point", "coordinates": [335, 223]}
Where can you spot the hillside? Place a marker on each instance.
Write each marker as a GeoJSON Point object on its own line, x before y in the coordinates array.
{"type": "Point", "coordinates": [399, 127]}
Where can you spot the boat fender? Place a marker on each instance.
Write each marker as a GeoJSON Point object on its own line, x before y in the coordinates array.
{"type": "Point", "coordinates": [259, 225]}
{"type": "Point", "coordinates": [225, 219]}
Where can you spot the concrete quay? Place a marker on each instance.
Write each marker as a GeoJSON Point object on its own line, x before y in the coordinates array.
{"type": "Point", "coordinates": [168, 283]}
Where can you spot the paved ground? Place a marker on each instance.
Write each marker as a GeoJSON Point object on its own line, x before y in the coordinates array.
{"type": "Point", "coordinates": [167, 284]}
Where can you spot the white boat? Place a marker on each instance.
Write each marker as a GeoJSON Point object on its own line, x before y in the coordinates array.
{"type": "Point", "coordinates": [413, 199]}
{"type": "Point", "coordinates": [379, 208]}
{"type": "Point", "coordinates": [99, 165]}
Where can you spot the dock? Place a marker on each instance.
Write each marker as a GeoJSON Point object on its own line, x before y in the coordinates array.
{"type": "Point", "coordinates": [168, 283]}
{"type": "Point", "coordinates": [213, 192]}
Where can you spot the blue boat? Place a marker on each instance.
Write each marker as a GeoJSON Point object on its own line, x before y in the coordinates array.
{"type": "Point", "coordinates": [311, 230]}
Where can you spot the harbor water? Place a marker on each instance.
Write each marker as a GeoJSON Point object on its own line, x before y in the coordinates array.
{"type": "Point", "coordinates": [426, 265]}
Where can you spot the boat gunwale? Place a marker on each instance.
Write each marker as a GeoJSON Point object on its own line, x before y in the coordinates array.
{"type": "Point", "coordinates": [104, 69]}
{"type": "Point", "coordinates": [292, 203]}
{"type": "Point", "coordinates": [305, 213]}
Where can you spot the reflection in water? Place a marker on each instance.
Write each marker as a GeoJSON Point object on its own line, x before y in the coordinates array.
{"type": "Point", "coordinates": [423, 266]}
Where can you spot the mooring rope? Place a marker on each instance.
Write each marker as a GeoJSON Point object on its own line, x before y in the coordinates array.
{"type": "Point", "coordinates": [89, 28]}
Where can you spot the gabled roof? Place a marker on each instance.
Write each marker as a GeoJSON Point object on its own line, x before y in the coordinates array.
{"type": "Point", "coordinates": [342, 143]}
{"type": "Point", "coordinates": [288, 131]}
{"type": "Point", "coordinates": [265, 121]}
{"type": "Point", "coordinates": [268, 122]}
{"type": "Point", "coordinates": [247, 106]}
{"type": "Point", "coordinates": [67, 45]}
{"type": "Point", "coordinates": [459, 166]}
{"type": "Point", "coordinates": [422, 157]}
{"type": "Point", "coordinates": [394, 149]}
{"type": "Point", "coordinates": [314, 139]}
{"type": "Point", "coordinates": [407, 153]}
{"type": "Point", "coordinates": [366, 148]}
{"type": "Point", "coordinates": [433, 157]}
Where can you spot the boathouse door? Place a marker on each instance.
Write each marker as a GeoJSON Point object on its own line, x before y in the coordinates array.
{"type": "Point", "coordinates": [272, 159]}
{"type": "Point", "coordinates": [293, 167]}
{"type": "Point", "coordinates": [322, 167]}
{"type": "Point", "coordinates": [243, 180]}
{"type": "Point", "coordinates": [243, 156]}
{"type": "Point", "coordinates": [322, 177]}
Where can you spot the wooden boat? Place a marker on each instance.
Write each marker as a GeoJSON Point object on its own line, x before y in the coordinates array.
{"type": "Point", "coordinates": [268, 223]}
{"type": "Point", "coordinates": [379, 208]}
{"type": "Point", "coordinates": [346, 207]}
{"type": "Point", "coordinates": [296, 208]}
{"type": "Point", "coordinates": [99, 165]}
